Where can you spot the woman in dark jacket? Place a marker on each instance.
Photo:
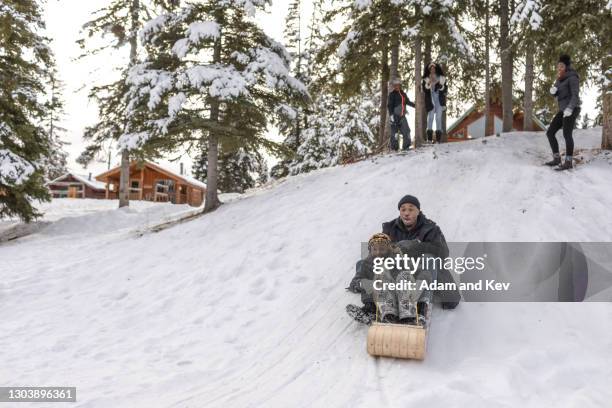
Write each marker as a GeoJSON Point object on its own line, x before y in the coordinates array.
{"type": "Point", "coordinates": [434, 86]}
{"type": "Point", "coordinates": [567, 91]}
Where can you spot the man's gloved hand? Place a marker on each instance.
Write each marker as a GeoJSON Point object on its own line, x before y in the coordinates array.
{"type": "Point", "coordinates": [355, 286]}
{"type": "Point", "coordinates": [567, 112]}
{"type": "Point", "coordinates": [553, 90]}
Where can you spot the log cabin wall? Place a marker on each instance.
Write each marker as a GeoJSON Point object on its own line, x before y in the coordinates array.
{"type": "Point", "coordinates": [150, 184]}
{"type": "Point", "coordinates": [460, 131]}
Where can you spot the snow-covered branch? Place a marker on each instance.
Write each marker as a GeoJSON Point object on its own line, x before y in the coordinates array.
{"type": "Point", "coordinates": [14, 170]}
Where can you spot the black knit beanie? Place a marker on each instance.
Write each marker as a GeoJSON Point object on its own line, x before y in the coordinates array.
{"type": "Point", "coordinates": [565, 59]}
{"type": "Point", "coordinates": [409, 199]}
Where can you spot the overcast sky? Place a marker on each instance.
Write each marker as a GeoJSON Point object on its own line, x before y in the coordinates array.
{"type": "Point", "coordinates": [64, 19]}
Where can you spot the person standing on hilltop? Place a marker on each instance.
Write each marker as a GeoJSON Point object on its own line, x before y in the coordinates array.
{"type": "Point", "coordinates": [434, 87]}
{"type": "Point", "coordinates": [567, 91]}
{"type": "Point", "coordinates": [396, 104]}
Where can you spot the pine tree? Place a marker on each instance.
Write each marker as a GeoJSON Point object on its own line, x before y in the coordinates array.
{"type": "Point", "coordinates": [25, 60]}
{"type": "Point", "coordinates": [306, 68]}
{"type": "Point", "coordinates": [375, 32]}
{"type": "Point", "coordinates": [507, 65]}
{"type": "Point", "coordinates": [603, 35]}
{"type": "Point", "coordinates": [121, 19]}
{"type": "Point", "coordinates": [360, 49]}
{"type": "Point", "coordinates": [337, 133]}
{"type": "Point", "coordinates": [585, 121]}
{"type": "Point", "coordinates": [445, 41]}
{"type": "Point", "coordinates": [526, 22]}
{"type": "Point", "coordinates": [238, 170]}
{"type": "Point", "coordinates": [586, 37]}
{"type": "Point", "coordinates": [211, 75]}
{"type": "Point", "coordinates": [294, 119]}
{"type": "Point", "coordinates": [55, 164]}
{"type": "Point", "coordinates": [487, 111]}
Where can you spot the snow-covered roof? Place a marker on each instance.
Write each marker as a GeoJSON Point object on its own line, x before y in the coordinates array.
{"type": "Point", "coordinates": [96, 185]}
{"type": "Point", "coordinates": [194, 181]}
{"type": "Point", "coordinates": [188, 179]}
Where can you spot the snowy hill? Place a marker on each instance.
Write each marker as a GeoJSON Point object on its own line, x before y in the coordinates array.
{"type": "Point", "coordinates": [245, 306]}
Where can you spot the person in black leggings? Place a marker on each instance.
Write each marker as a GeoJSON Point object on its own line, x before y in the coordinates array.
{"type": "Point", "coordinates": [567, 91]}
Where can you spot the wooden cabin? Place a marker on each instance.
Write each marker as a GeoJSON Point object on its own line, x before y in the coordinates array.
{"type": "Point", "coordinates": [150, 182]}
{"type": "Point", "coordinates": [471, 125]}
{"type": "Point", "coordinates": [72, 185]}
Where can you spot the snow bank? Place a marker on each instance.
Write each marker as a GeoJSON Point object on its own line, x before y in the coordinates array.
{"type": "Point", "coordinates": [89, 216]}
{"type": "Point", "coordinates": [245, 306]}
{"type": "Point", "coordinates": [133, 218]}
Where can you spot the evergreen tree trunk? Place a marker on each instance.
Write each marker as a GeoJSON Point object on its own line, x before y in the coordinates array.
{"type": "Point", "coordinates": [298, 130]}
{"type": "Point", "coordinates": [419, 96]}
{"type": "Point", "coordinates": [487, 95]}
{"type": "Point", "coordinates": [51, 113]}
{"type": "Point", "coordinates": [506, 65]}
{"type": "Point", "coordinates": [528, 97]}
{"type": "Point", "coordinates": [606, 132]}
{"type": "Point", "coordinates": [124, 175]}
{"type": "Point", "coordinates": [124, 180]}
{"type": "Point", "coordinates": [395, 46]}
{"type": "Point", "coordinates": [444, 134]}
{"type": "Point", "coordinates": [426, 60]}
{"type": "Point", "coordinates": [212, 157]}
{"type": "Point", "coordinates": [384, 93]}
{"type": "Point", "coordinates": [393, 69]}
{"type": "Point", "coordinates": [212, 170]}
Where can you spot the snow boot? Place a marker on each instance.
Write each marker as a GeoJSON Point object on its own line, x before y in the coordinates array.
{"type": "Point", "coordinates": [429, 135]}
{"type": "Point", "coordinates": [365, 315]}
{"type": "Point", "coordinates": [394, 144]}
{"type": "Point", "coordinates": [567, 164]}
{"type": "Point", "coordinates": [438, 136]}
{"type": "Point", "coordinates": [555, 161]}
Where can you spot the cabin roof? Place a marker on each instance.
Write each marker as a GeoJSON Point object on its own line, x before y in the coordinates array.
{"type": "Point", "coordinates": [186, 179]}
{"type": "Point", "coordinates": [473, 108]}
{"type": "Point", "coordinates": [96, 185]}
{"type": "Point", "coordinates": [461, 118]}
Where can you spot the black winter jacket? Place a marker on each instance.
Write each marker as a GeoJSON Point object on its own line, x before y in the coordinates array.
{"type": "Point", "coordinates": [568, 91]}
{"type": "Point", "coordinates": [396, 104]}
{"type": "Point", "coordinates": [432, 241]}
{"type": "Point", "coordinates": [425, 230]}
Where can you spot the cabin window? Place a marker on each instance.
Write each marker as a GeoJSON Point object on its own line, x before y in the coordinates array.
{"type": "Point", "coordinates": [135, 184]}
{"type": "Point", "coordinates": [164, 186]}
{"type": "Point", "coordinates": [164, 190]}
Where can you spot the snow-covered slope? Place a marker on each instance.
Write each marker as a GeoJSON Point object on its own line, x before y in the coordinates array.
{"type": "Point", "coordinates": [87, 215]}
{"type": "Point", "coordinates": [245, 307]}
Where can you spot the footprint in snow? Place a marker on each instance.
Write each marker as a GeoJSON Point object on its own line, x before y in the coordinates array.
{"type": "Point", "coordinates": [121, 295]}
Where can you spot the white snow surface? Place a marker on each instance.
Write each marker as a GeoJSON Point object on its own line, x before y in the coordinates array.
{"type": "Point", "coordinates": [244, 307]}
{"type": "Point", "coordinates": [90, 216]}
